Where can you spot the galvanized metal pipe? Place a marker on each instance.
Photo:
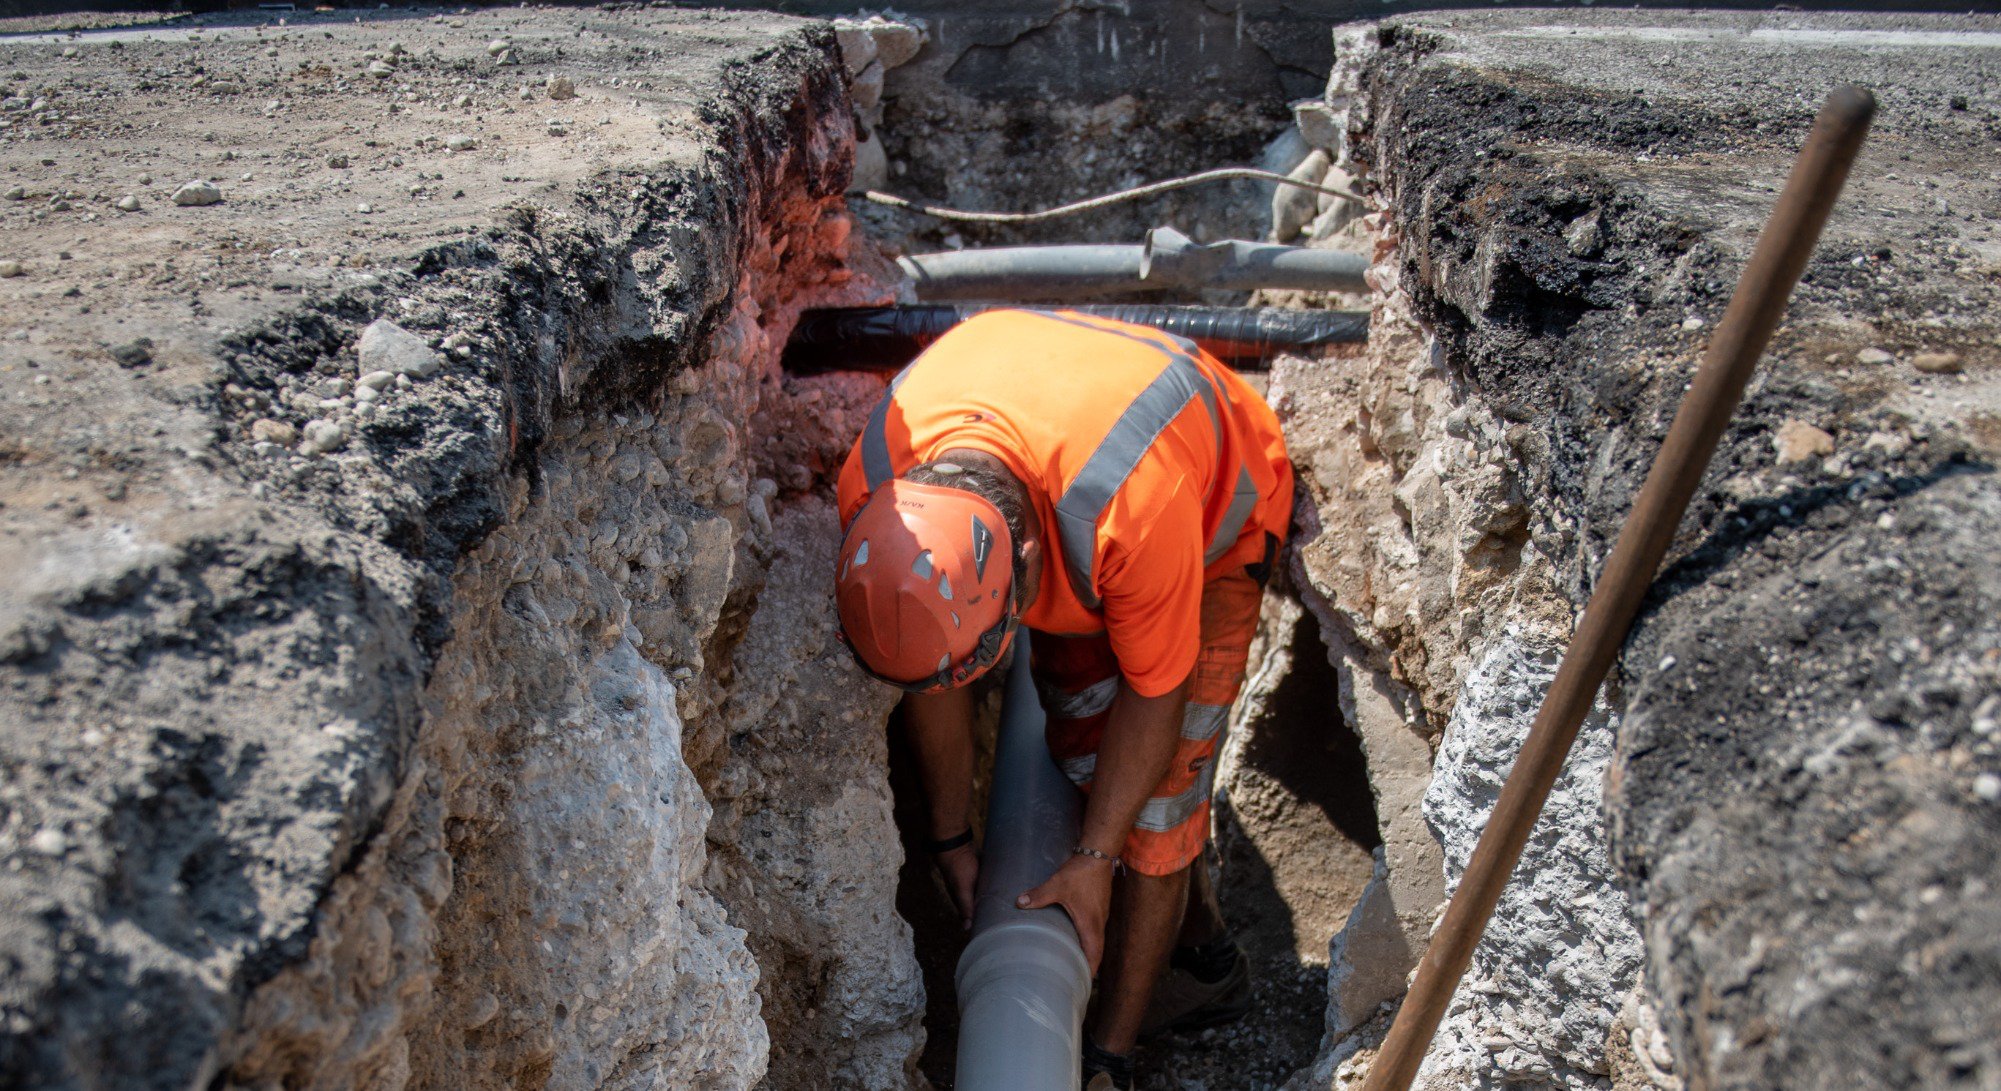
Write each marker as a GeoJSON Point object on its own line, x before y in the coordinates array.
{"type": "Point", "coordinates": [1168, 260]}
{"type": "Point", "coordinates": [1023, 981]}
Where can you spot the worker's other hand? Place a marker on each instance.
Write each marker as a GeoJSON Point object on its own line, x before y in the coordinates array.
{"type": "Point", "coordinates": [1083, 887]}
{"type": "Point", "coordinates": [961, 869]}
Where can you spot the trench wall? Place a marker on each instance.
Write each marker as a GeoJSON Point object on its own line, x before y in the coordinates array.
{"type": "Point", "coordinates": [506, 742]}
{"type": "Point", "coordinates": [1805, 690]}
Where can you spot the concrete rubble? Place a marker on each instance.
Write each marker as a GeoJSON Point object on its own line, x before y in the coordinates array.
{"type": "Point", "coordinates": [870, 47]}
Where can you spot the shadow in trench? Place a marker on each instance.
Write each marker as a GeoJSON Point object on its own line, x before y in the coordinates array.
{"type": "Point", "coordinates": [1294, 830]}
{"type": "Point", "coordinates": [1301, 741]}
{"type": "Point", "coordinates": [934, 922]}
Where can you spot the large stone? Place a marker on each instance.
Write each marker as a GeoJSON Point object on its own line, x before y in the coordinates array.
{"type": "Point", "coordinates": [896, 43]}
{"type": "Point", "coordinates": [1369, 958]}
{"type": "Point", "coordinates": [1293, 207]}
{"type": "Point", "coordinates": [871, 167]}
{"type": "Point", "coordinates": [386, 346]}
{"type": "Point", "coordinates": [857, 45]}
{"type": "Point", "coordinates": [197, 193]}
{"type": "Point", "coordinates": [1321, 126]}
{"type": "Point", "coordinates": [867, 92]}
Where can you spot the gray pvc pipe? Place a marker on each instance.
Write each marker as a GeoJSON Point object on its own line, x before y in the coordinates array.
{"type": "Point", "coordinates": [1168, 260]}
{"type": "Point", "coordinates": [1023, 981]}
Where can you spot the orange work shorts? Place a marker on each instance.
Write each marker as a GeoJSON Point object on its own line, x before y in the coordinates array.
{"type": "Point", "coordinates": [1077, 677]}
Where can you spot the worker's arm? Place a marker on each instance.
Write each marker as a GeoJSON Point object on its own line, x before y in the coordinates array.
{"type": "Point", "coordinates": [1152, 590]}
{"type": "Point", "coordinates": [940, 726]}
{"type": "Point", "coordinates": [1138, 746]}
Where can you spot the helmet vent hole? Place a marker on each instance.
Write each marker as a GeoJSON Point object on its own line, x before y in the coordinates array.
{"type": "Point", "coordinates": [944, 661]}
{"type": "Point", "coordinates": [956, 623]}
{"type": "Point", "coordinates": [922, 565]}
{"type": "Point", "coordinates": [945, 585]}
{"type": "Point", "coordinates": [861, 553]}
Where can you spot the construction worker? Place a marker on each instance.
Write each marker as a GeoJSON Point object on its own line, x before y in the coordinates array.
{"type": "Point", "coordinates": [1123, 494]}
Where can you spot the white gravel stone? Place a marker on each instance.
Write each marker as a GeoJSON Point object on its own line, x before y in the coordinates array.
{"type": "Point", "coordinates": [10, 268]}
{"type": "Point", "coordinates": [375, 380]}
{"type": "Point", "coordinates": [386, 346]}
{"type": "Point", "coordinates": [1988, 787]}
{"type": "Point", "coordinates": [128, 203]}
{"type": "Point", "coordinates": [460, 142]}
{"type": "Point", "coordinates": [49, 841]}
{"type": "Point", "coordinates": [322, 437]}
{"type": "Point", "coordinates": [560, 88]}
{"type": "Point", "coordinates": [1873, 356]}
{"type": "Point", "coordinates": [498, 46]}
{"type": "Point", "coordinates": [196, 193]}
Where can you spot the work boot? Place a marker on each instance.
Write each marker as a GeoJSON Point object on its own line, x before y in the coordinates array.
{"type": "Point", "coordinates": [1105, 1070]}
{"type": "Point", "coordinates": [1203, 987]}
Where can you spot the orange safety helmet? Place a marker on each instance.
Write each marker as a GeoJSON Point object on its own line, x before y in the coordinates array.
{"type": "Point", "coordinates": [925, 588]}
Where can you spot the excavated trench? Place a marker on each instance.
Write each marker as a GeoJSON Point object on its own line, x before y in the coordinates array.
{"type": "Point", "coordinates": [1295, 821]}
{"type": "Point", "coordinates": [514, 745]}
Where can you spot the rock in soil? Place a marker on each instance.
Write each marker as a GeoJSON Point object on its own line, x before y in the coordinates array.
{"type": "Point", "coordinates": [197, 193]}
{"type": "Point", "coordinates": [386, 346]}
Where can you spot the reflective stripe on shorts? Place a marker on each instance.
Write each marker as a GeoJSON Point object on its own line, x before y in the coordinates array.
{"type": "Point", "coordinates": [1078, 680]}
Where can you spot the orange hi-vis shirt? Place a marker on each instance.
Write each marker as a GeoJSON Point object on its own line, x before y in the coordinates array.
{"type": "Point", "coordinates": [1152, 466]}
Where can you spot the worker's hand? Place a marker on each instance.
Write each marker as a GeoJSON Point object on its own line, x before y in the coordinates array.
{"type": "Point", "coordinates": [961, 869]}
{"type": "Point", "coordinates": [1083, 887]}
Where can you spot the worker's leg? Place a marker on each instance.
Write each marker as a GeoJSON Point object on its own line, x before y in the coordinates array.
{"type": "Point", "coordinates": [1078, 679]}
{"type": "Point", "coordinates": [1202, 921]}
{"type": "Point", "coordinates": [1146, 916]}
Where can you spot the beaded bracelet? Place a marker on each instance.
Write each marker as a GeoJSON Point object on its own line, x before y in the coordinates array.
{"type": "Point", "coordinates": [1086, 850]}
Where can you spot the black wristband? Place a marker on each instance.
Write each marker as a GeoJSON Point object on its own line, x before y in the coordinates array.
{"type": "Point", "coordinates": [948, 844]}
